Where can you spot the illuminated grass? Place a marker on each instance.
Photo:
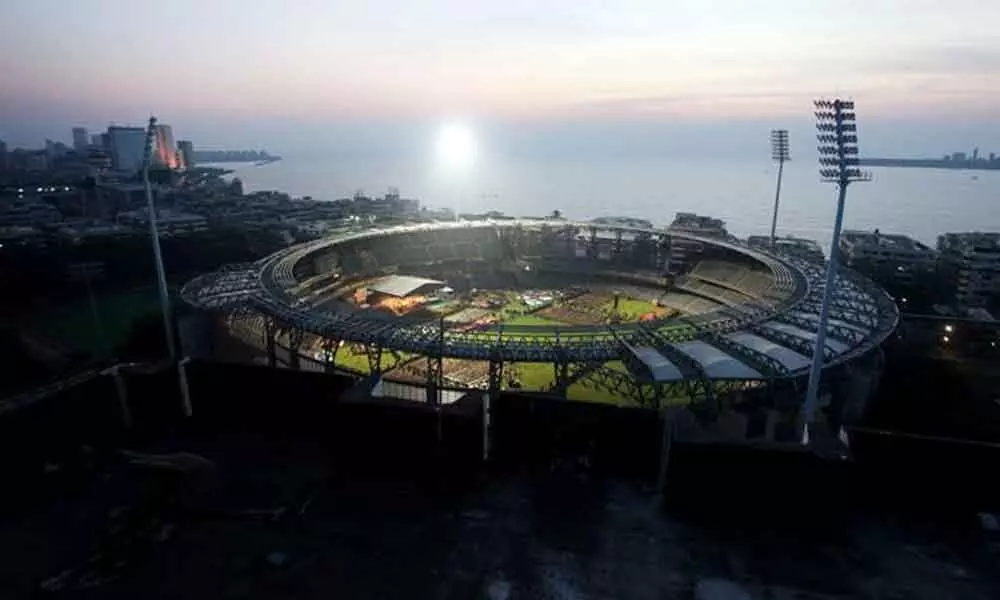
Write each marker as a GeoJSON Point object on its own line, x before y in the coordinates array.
{"type": "Point", "coordinates": [534, 376]}
{"type": "Point", "coordinates": [354, 358]}
{"type": "Point", "coordinates": [587, 392]}
{"type": "Point", "coordinates": [546, 327]}
{"type": "Point", "coordinates": [616, 365]}
{"type": "Point", "coordinates": [348, 358]}
{"type": "Point", "coordinates": [629, 309]}
{"type": "Point", "coordinates": [533, 320]}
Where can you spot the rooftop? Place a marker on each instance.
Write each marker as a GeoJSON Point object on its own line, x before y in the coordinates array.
{"type": "Point", "coordinates": [126, 186]}
{"type": "Point", "coordinates": [163, 216]}
{"type": "Point", "coordinates": [890, 241]}
{"type": "Point", "coordinates": [979, 239]}
{"type": "Point", "coordinates": [683, 220]}
{"type": "Point", "coordinates": [980, 314]}
{"type": "Point", "coordinates": [18, 230]}
{"type": "Point", "coordinates": [783, 242]}
{"type": "Point", "coordinates": [401, 285]}
{"type": "Point", "coordinates": [83, 230]}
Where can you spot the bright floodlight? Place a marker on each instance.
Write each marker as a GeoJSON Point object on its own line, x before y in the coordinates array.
{"type": "Point", "coordinates": [456, 146]}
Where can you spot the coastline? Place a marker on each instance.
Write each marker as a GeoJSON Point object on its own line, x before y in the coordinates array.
{"type": "Point", "coordinates": [931, 163]}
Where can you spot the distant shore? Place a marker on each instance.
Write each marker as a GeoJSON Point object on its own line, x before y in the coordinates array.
{"type": "Point", "coordinates": [933, 163]}
{"type": "Point", "coordinates": [233, 156]}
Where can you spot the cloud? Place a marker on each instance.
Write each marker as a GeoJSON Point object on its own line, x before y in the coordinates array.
{"type": "Point", "coordinates": [720, 106]}
{"type": "Point", "coordinates": [955, 59]}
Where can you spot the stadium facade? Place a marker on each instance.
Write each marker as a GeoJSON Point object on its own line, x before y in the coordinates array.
{"type": "Point", "coordinates": [730, 338]}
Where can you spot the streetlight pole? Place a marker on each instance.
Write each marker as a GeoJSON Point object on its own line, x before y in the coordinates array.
{"type": "Point", "coordinates": [838, 159]}
{"type": "Point", "coordinates": [779, 152]}
{"type": "Point", "coordinates": [154, 236]}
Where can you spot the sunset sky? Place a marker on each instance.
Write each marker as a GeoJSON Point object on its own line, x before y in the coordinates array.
{"type": "Point", "coordinates": [213, 66]}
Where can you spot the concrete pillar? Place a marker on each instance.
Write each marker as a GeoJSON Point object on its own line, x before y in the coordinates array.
{"type": "Point", "coordinates": [561, 378]}
{"type": "Point", "coordinates": [492, 395]}
{"type": "Point", "coordinates": [270, 331]}
{"type": "Point", "coordinates": [666, 446]}
{"type": "Point", "coordinates": [183, 382]}
{"type": "Point", "coordinates": [487, 416]}
{"type": "Point", "coordinates": [294, 345]}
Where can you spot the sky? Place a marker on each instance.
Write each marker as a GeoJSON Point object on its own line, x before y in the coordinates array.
{"type": "Point", "coordinates": [555, 76]}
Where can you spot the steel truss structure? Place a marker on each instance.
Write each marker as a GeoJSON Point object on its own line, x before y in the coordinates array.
{"type": "Point", "coordinates": [747, 346]}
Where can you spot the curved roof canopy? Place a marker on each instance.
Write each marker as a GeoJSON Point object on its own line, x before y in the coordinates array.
{"type": "Point", "coordinates": [752, 335]}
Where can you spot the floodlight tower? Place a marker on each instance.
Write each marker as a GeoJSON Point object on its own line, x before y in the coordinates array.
{"type": "Point", "coordinates": [154, 236]}
{"type": "Point", "coordinates": [779, 152]}
{"type": "Point", "coordinates": [838, 160]}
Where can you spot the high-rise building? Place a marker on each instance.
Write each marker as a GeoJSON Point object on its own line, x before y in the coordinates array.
{"type": "Point", "coordinates": [904, 266]}
{"type": "Point", "coordinates": [117, 197]}
{"type": "Point", "coordinates": [971, 263]}
{"type": "Point", "coordinates": [97, 140]}
{"type": "Point", "coordinates": [896, 252]}
{"type": "Point", "coordinates": [186, 151]}
{"type": "Point", "coordinates": [127, 146]}
{"type": "Point", "coordinates": [164, 149]}
{"type": "Point", "coordinates": [37, 161]}
{"type": "Point", "coordinates": [80, 140]}
{"type": "Point", "coordinates": [54, 150]}
{"type": "Point", "coordinates": [685, 253]}
{"type": "Point", "coordinates": [4, 159]}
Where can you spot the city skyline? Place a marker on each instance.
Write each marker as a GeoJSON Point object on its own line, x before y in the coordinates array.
{"type": "Point", "coordinates": [344, 68]}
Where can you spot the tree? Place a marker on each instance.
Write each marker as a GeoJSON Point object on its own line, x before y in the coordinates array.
{"type": "Point", "coordinates": [557, 214]}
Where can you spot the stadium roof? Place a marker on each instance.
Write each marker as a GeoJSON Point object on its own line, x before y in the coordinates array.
{"type": "Point", "coordinates": [792, 360]}
{"type": "Point", "coordinates": [401, 285]}
{"type": "Point", "coordinates": [659, 367]}
{"type": "Point", "coordinates": [752, 339]}
{"type": "Point", "coordinates": [716, 363]}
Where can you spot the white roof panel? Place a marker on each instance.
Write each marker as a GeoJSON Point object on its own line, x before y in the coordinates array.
{"type": "Point", "coordinates": [661, 368]}
{"type": "Point", "coordinates": [401, 285]}
{"type": "Point", "coordinates": [835, 345]}
{"type": "Point", "coordinates": [832, 321]}
{"type": "Point", "coordinates": [790, 359]}
{"type": "Point", "coordinates": [716, 363]}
